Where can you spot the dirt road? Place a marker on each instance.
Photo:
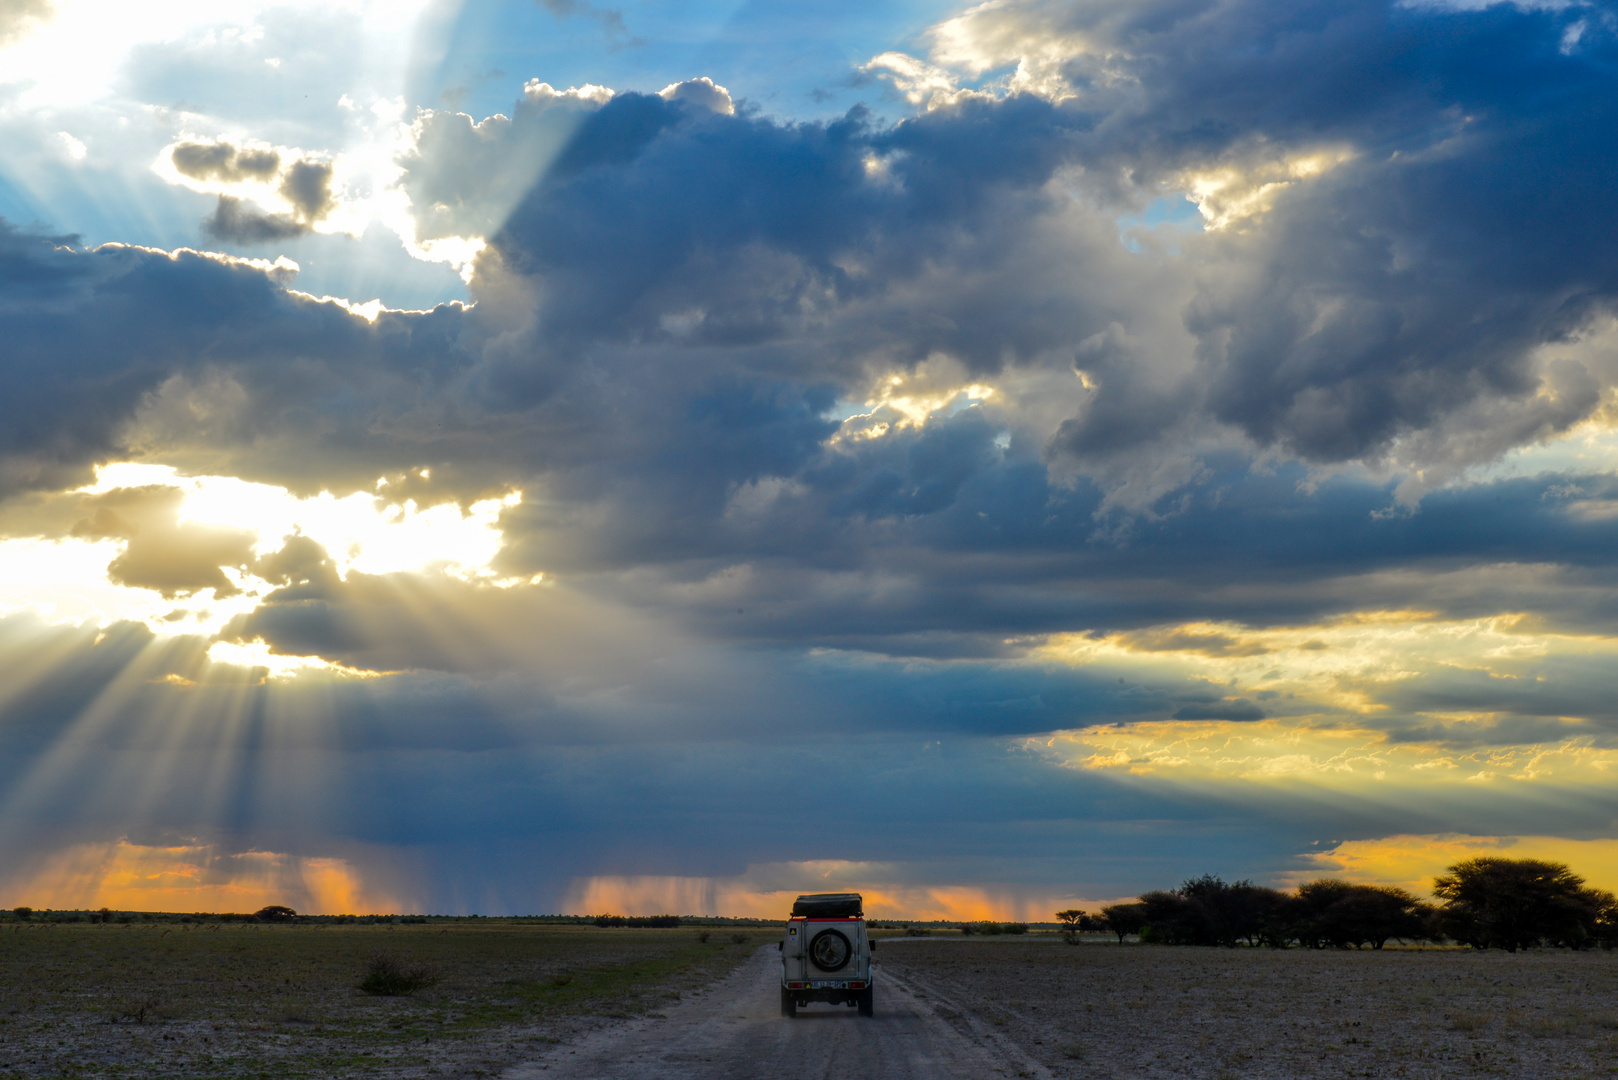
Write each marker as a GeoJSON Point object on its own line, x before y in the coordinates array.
{"type": "Point", "coordinates": [734, 1030]}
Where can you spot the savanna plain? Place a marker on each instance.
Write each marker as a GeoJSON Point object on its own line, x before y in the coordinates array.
{"type": "Point", "coordinates": [245, 1000]}
{"type": "Point", "coordinates": [1109, 1010]}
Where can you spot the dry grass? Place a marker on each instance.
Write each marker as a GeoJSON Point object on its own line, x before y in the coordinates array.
{"type": "Point", "coordinates": [284, 1001]}
{"type": "Point", "coordinates": [1143, 1011]}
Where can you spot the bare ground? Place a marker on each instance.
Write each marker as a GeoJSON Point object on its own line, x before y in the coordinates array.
{"type": "Point", "coordinates": [1102, 1010]}
{"type": "Point", "coordinates": [528, 1002]}
{"type": "Point", "coordinates": [735, 1031]}
{"type": "Point", "coordinates": [257, 1001]}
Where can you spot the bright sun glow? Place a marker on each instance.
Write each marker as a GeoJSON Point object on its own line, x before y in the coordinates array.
{"type": "Point", "coordinates": [67, 579]}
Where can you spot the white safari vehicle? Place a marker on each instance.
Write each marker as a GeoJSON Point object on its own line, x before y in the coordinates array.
{"type": "Point", "coordinates": [826, 955]}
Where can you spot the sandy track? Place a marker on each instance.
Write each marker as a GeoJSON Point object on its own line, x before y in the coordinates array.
{"type": "Point", "coordinates": [734, 1029]}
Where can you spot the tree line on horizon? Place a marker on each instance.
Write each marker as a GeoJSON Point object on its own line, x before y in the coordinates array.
{"type": "Point", "coordinates": [1486, 903]}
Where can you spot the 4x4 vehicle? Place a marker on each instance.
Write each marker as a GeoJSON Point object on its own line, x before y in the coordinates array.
{"type": "Point", "coordinates": [826, 955]}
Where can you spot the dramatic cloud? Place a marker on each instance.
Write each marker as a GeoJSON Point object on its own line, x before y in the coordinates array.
{"type": "Point", "coordinates": [1182, 440]}
{"type": "Point", "coordinates": [303, 187]}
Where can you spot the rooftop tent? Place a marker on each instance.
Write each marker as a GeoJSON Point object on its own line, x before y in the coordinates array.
{"type": "Point", "coordinates": [836, 905]}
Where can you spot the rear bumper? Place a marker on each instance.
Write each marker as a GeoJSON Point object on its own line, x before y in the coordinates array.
{"type": "Point", "coordinates": [847, 994]}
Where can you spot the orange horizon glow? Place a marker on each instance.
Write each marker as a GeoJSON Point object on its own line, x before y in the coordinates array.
{"type": "Point", "coordinates": [187, 878]}
{"type": "Point", "coordinates": [736, 898]}
{"type": "Point", "coordinates": [1411, 862]}
{"type": "Point", "coordinates": [125, 876]}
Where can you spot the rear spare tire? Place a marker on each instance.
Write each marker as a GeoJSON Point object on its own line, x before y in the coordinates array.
{"type": "Point", "coordinates": [830, 950]}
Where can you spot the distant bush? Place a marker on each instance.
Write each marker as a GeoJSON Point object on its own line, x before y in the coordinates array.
{"type": "Point", "coordinates": [23, 913]}
{"type": "Point", "coordinates": [275, 913]}
{"type": "Point", "coordinates": [653, 921]}
{"type": "Point", "coordinates": [917, 931]}
{"type": "Point", "coordinates": [1015, 928]}
{"type": "Point", "coordinates": [386, 976]}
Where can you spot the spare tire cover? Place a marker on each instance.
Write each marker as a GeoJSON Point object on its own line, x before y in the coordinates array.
{"type": "Point", "coordinates": [830, 950]}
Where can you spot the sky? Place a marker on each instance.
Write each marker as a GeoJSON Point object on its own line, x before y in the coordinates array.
{"type": "Point", "coordinates": [516, 457]}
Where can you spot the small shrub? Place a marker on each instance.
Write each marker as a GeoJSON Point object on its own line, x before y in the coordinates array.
{"type": "Point", "coordinates": [917, 931]}
{"type": "Point", "coordinates": [740, 939]}
{"type": "Point", "coordinates": [1016, 928]}
{"type": "Point", "coordinates": [386, 976]}
{"type": "Point", "coordinates": [141, 1010]}
{"type": "Point", "coordinates": [704, 936]}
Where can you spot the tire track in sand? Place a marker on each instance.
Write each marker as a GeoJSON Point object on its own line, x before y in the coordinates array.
{"type": "Point", "coordinates": [734, 1030]}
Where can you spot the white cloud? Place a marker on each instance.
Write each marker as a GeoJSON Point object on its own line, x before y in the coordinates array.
{"type": "Point", "coordinates": [704, 92]}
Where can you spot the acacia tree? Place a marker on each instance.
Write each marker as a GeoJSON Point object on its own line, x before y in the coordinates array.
{"type": "Point", "coordinates": [1338, 914]}
{"type": "Point", "coordinates": [1209, 911]}
{"type": "Point", "coordinates": [1518, 903]}
{"type": "Point", "coordinates": [1124, 919]}
{"type": "Point", "coordinates": [275, 913]}
{"type": "Point", "coordinates": [1073, 920]}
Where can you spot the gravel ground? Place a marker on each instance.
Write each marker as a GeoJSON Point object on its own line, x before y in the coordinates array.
{"type": "Point", "coordinates": [1127, 1011]}
{"type": "Point", "coordinates": [734, 1030]}
{"type": "Point", "coordinates": [253, 1001]}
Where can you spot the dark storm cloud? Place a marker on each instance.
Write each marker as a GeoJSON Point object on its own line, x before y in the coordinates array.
{"type": "Point", "coordinates": [107, 348]}
{"type": "Point", "coordinates": [232, 221]}
{"type": "Point", "coordinates": [675, 316]}
{"type": "Point", "coordinates": [1413, 279]}
{"type": "Point", "coordinates": [305, 184]}
{"type": "Point", "coordinates": [1395, 297]}
{"type": "Point", "coordinates": [224, 161]}
{"type": "Point", "coordinates": [776, 238]}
